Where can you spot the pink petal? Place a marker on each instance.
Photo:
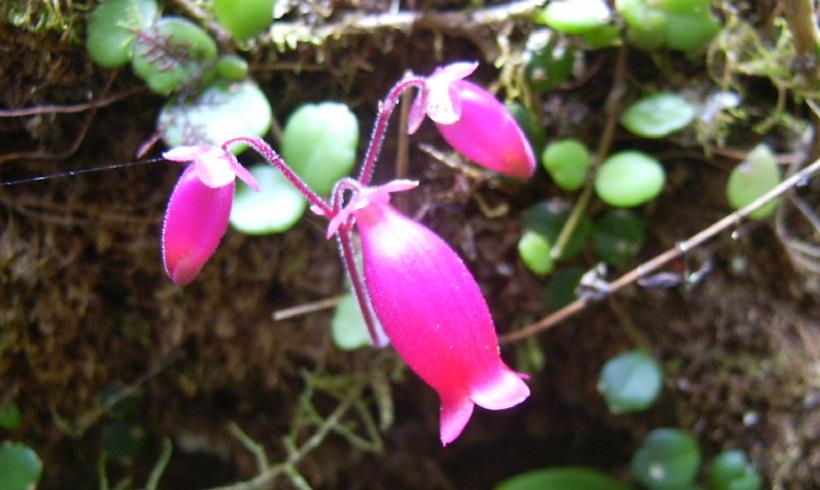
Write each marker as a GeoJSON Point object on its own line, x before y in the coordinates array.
{"type": "Point", "coordinates": [245, 176]}
{"type": "Point", "coordinates": [435, 316]}
{"type": "Point", "coordinates": [215, 167]}
{"type": "Point", "coordinates": [195, 220]}
{"type": "Point", "coordinates": [417, 112]}
{"type": "Point", "coordinates": [487, 134]}
{"type": "Point", "coordinates": [184, 153]}
{"type": "Point", "coordinates": [458, 70]}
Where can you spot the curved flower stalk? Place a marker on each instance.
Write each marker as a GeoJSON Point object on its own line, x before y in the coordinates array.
{"type": "Point", "coordinates": [473, 121]}
{"type": "Point", "coordinates": [199, 207]}
{"type": "Point", "coordinates": [432, 310]}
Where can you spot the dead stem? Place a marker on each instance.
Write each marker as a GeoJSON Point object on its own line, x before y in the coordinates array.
{"type": "Point", "coordinates": [306, 308]}
{"type": "Point", "coordinates": [71, 108]}
{"type": "Point", "coordinates": [677, 251]}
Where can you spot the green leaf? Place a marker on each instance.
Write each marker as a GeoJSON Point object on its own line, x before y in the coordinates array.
{"type": "Point", "coordinates": [319, 142]}
{"type": "Point", "coordinates": [275, 208]}
{"type": "Point", "coordinates": [629, 178]}
{"type": "Point", "coordinates": [232, 68]}
{"type": "Point", "coordinates": [549, 63]}
{"type": "Point", "coordinates": [730, 470]}
{"type": "Point", "coordinates": [630, 382]}
{"type": "Point", "coordinates": [617, 236]}
{"type": "Point", "coordinates": [682, 25]}
{"type": "Point", "coordinates": [244, 19]}
{"type": "Point", "coordinates": [528, 122]}
{"type": "Point", "coordinates": [114, 25]}
{"type": "Point", "coordinates": [560, 291]}
{"type": "Point", "coordinates": [20, 467]}
{"type": "Point", "coordinates": [348, 328]}
{"type": "Point", "coordinates": [548, 217]}
{"type": "Point", "coordinates": [123, 440]}
{"type": "Point", "coordinates": [534, 249]}
{"type": "Point", "coordinates": [10, 416]}
{"type": "Point", "coordinates": [755, 176]}
{"type": "Point", "coordinates": [172, 54]}
{"type": "Point", "coordinates": [222, 111]}
{"type": "Point", "coordinates": [575, 16]}
{"type": "Point", "coordinates": [667, 459]}
{"type": "Point", "coordinates": [562, 478]}
{"type": "Point", "coordinates": [567, 161]}
{"type": "Point", "coordinates": [658, 115]}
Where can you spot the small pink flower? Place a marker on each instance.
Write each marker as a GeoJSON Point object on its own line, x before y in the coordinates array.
{"type": "Point", "coordinates": [199, 207]}
{"type": "Point", "coordinates": [433, 311]}
{"type": "Point", "coordinates": [473, 121]}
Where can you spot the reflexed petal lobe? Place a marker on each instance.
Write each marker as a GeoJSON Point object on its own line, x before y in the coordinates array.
{"type": "Point", "coordinates": [196, 219]}
{"type": "Point", "coordinates": [435, 316]}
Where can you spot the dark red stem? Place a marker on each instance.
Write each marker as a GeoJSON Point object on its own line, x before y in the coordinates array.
{"type": "Point", "coordinates": [274, 159]}
{"type": "Point", "coordinates": [349, 259]}
{"type": "Point", "coordinates": [380, 126]}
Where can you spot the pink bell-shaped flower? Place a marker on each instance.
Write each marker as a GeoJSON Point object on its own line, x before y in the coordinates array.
{"type": "Point", "coordinates": [433, 311]}
{"type": "Point", "coordinates": [473, 121]}
{"type": "Point", "coordinates": [199, 207]}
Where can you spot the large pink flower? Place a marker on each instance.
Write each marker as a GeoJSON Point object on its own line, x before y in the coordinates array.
{"type": "Point", "coordinates": [433, 312]}
{"type": "Point", "coordinates": [199, 208]}
{"type": "Point", "coordinates": [473, 121]}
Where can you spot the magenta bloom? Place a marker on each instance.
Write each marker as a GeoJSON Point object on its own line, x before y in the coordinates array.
{"type": "Point", "coordinates": [473, 122]}
{"type": "Point", "coordinates": [198, 210]}
{"type": "Point", "coordinates": [433, 311]}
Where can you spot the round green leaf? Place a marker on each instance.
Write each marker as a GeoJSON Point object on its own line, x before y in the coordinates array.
{"type": "Point", "coordinates": [10, 416]}
{"type": "Point", "coordinates": [232, 67]}
{"type": "Point", "coordinates": [20, 467]}
{"type": "Point", "coordinates": [348, 328]}
{"type": "Point", "coordinates": [549, 64]}
{"type": "Point", "coordinates": [630, 382]}
{"type": "Point", "coordinates": [683, 25]}
{"type": "Point", "coordinates": [319, 143]}
{"type": "Point", "coordinates": [560, 291]}
{"type": "Point", "coordinates": [730, 470]}
{"type": "Point", "coordinates": [602, 37]}
{"type": "Point", "coordinates": [221, 112]}
{"type": "Point", "coordinates": [528, 122]}
{"type": "Point", "coordinates": [667, 459]}
{"type": "Point", "coordinates": [244, 19]}
{"type": "Point", "coordinates": [173, 53]}
{"type": "Point", "coordinates": [629, 178]}
{"type": "Point", "coordinates": [119, 406]}
{"type": "Point", "coordinates": [534, 249]}
{"type": "Point", "coordinates": [114, 25]}
{"type": "Point", "coordinates": [562, 478]}
{"type": "Point", "coordinates": [567, 161]}
{"type": "Point", "coordinates": [275, 208]}
{"type": "Point", "coordinates": [617, 236]}
{"type": "Point", "coordinates": [658, 115]}
{"type": "Point", "coordinates": [548, 217]}
{"type": "Point", "coordinates": [575, 16]}
{"type": "Point", "coordinates": [123, 440]}
{"type": "Point", "coordinates": [755, 176]}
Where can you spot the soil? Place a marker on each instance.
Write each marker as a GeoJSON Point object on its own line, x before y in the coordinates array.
{"type": "Point", "coordinates": [86, 304]}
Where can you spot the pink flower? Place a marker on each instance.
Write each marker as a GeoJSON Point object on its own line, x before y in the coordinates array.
{"type": "Point", "coordinates": [433, 311]}
{"type": "Point", "coordinates": [473, 121]}
{"type": "Point", "coordinates": [199, 207]}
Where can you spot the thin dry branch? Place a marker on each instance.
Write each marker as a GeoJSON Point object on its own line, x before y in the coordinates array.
{"type": "Point", "coordinates": [657, 262]}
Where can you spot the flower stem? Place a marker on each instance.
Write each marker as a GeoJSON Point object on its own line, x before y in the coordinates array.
{"type": "Point", "coordinates": [274, 159]}
{"type": "Point", "coordinates": [345, 239]}
{"type": "Point", "coordinates": [380, 126]}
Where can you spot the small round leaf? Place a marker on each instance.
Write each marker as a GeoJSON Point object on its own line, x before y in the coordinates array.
{"type": "Point", "coordinates": [319, 143]}
{"type": "Point", "coordinates": [275, 208]}
{"type": "Point", "coordinates": [549, 64]}
{"type": "Point", "coordinates": [755, 176]}
{"type": "Point", "coordinates": [20, 467]}
{"type": "Point", "coordinates": [730, 470]}
{"type": "Point", "coordinates": [528, 122]}
{"type": "Point", "coordinates": [617, 236]}
{"type": "Point", "coordinates": [221, 112]}
{"type": "Point", "coordinates": [534, 249]}
{"type": "Point", "coordinates": [575, 16]}
{"type": "Point", "coordinates": [10, 416]}
{"type": "Point", "coordinates": [173, 53]}
{"type": "Point", "coordinates": [630, 382]}
{"type": "Point", "coordinates": [666, 459]}
{"type": "Point", "coordinates": [560, 291]}
{"type": "Point", "coordinates": [548, 217]}
{"type": "Point", "coordinates": [232, 67]}
{"type": "Point", "coordinates": [123, 440]}
{"type": "Point", "coordinates": [658, 115]}
{"type": "Point", "coordinates": [348, 328]}
{"type": "Point", "coordinates": [244, 19]}
{"type": "Point", "coordinates": [562, 478]}
{"type": "Point", "coordinates": [567, 161]}
{"type": "Point", "coordinates": [629, 178]}
{"type": "Point", "coordinates": [114, 25]}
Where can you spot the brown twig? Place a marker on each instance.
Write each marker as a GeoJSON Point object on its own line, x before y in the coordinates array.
{"type": "Point", "coordinates": [306, 308]}
{"type": "Point", "coordinates": [677, 251]}
{"type": "Point", "coordinates": [71, 108]}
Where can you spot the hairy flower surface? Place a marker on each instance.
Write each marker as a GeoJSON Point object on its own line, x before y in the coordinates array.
{"type": "Point", "coordinates": [434, 314]}
{"type": "Point", "coordinates": [199, 208]}
{"type": "Point", "coordinates": [473, 121]}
